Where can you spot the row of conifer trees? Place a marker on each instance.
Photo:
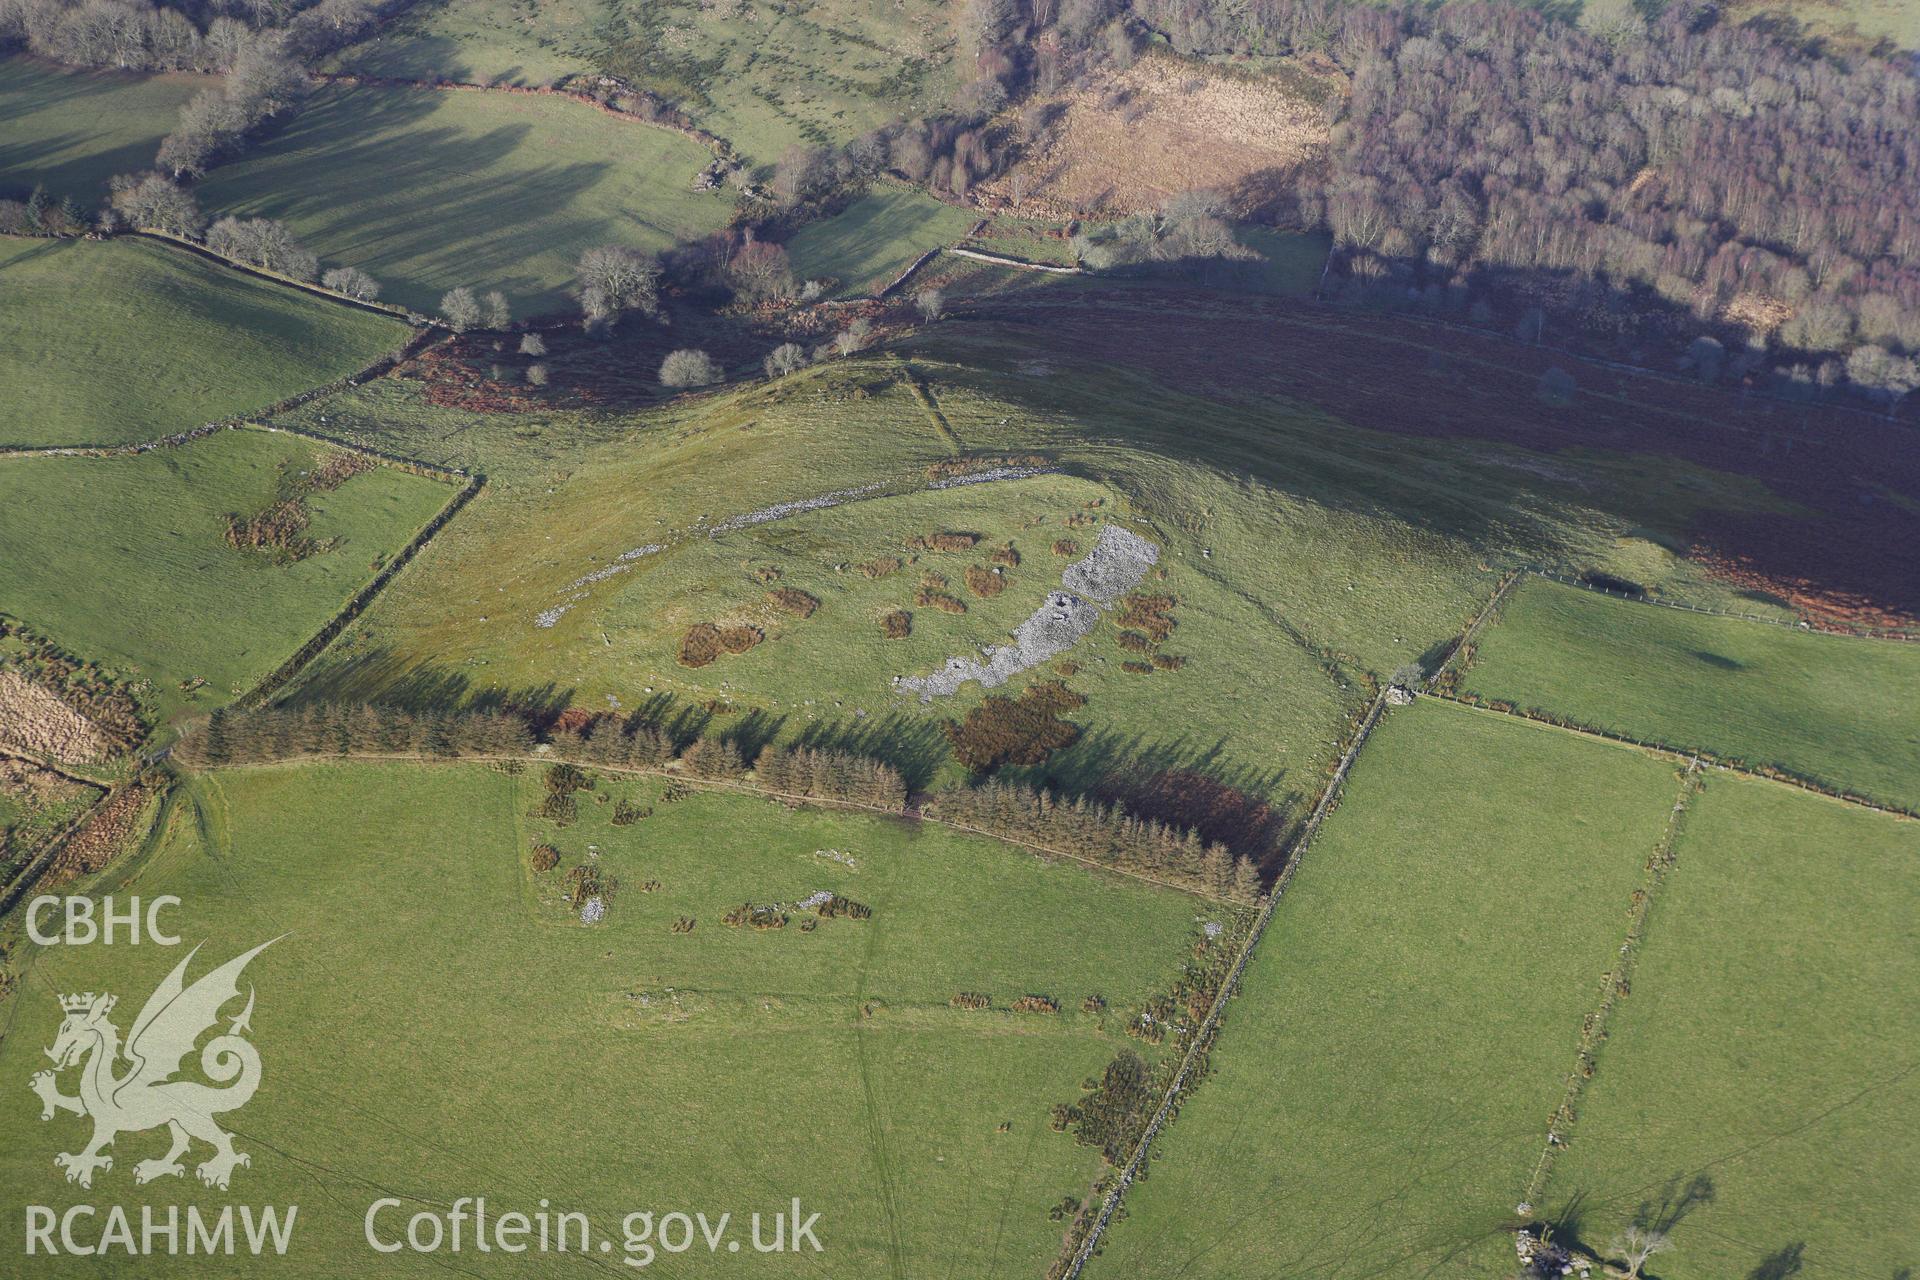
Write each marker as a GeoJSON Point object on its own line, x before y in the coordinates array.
{"type": "Point", "coordinates": [1101, 833]}
{"type": "Point", "coordinates": [1084, 828]}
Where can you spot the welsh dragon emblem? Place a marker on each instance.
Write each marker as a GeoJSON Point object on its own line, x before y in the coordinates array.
{"type": "Point", "coordinates": [145, 1094]}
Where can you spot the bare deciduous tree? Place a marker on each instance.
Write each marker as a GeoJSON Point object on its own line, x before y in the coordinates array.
{"type": "Point", "coordinates": [460, 309]}
{"type": "Point", "coordinates": [498, 314]}
{"type": "Point", "coordinates": [150, 202]}
{"type": "Point", "coordinates": [785, 358]}
{"type": "Point", "coordinates": [1637, 1244]}
{"type": "Point", "coordinates": [931, 303]}
{"type": "Point", "coordinates": [353, 282]}
{"type": "Point", "coordinates": [688, 368]}
{"type": "Point", "coordinates": [614, 278]}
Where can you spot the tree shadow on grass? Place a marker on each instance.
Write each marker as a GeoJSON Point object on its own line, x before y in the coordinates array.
{"type": "Point", "coordinates": [381, 677]}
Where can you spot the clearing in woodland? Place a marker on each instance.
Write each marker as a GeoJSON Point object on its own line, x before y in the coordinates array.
{"type": "Point", "coordinates": [1383, 1082]}
{"type": "Point", "coordinates": [1127, 141]}
{"type": "Point", "coordinates": [123, 341]}
{"type": "Point", "coordinates": [501, 1047]}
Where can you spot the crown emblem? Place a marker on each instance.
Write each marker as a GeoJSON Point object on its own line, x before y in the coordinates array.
{"type": "Point", "coordinates": [84, 1002]}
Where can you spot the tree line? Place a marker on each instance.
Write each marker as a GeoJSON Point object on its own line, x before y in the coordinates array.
{"type": "Point", "coordinates": [198, 35]}
{"type": "Point", "coordinates": [1101, 833]}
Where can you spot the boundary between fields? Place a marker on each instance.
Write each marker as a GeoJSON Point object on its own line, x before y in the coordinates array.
{"type": "Point", "coordinates": [1615, 985]}
{"type": "Point", "coordinates": [276, 679]}
{"type": "Point", "coordinates": [911, 812]}
{"type": "Point", "coordinates": [1203, 1037]}
{"type": "Point", "coordinates": [1475, 703]}
{"type": "Point", "coordinates": [378, 368]}
{"type": "Point", "coordinates": [1803, 623]}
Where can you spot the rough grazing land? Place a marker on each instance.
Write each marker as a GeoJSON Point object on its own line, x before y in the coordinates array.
{"type": "Point", "coordinates": [1383, 1082]}
{"type": "Point", "coordinates": [434, 1025]}
{"type": "Point", "coordinates": [131, 340]}
{"type": "Point", "coordinates": [1802, 502]}
{"type": "Point", "coordinates": [1839, 711]}
{"type": "Point", "coordinates": [1131, 139]}
{"type": "Point", "coordinates": [1766, 1055]}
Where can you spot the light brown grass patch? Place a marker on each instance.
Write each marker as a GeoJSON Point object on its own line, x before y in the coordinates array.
{"type": "Point", "coordinates": [35, 720]}
{"type": "Point", "coordinates": [1128, 140]}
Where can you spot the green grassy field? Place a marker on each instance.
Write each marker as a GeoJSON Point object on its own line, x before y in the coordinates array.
{"type": "Point", "coordinates": [1767, 1048]}
{"type": "Point", "coordinates": [1293, 260]}
{"type": "Point", "coordinates": [875, 239]}
{"type": "Point", "coordinates": [428, 190]}
{"type": "Point", "coordinates": [1839, 711]}
{"type": "Point", "coordinates": [1281, 603]}
{"type": "Point", "coordinates": [137, 575]}
{"type": "Point", "coordinates": [129, 340]}
{"type": "Point", "coordinates": [1026, 239]}
{"type": "Point", "coordinates": [1382, 1085]}
{"type": "Point", "coordinates": [766, 75]}
{"type": "Point", "coordinates": [433, 1026]}
{"type": "Point", "coordinates": [484, 42]}
{"type": "Point", "coordinates": [1845, 22]}
{"type": "Point", "coordinates": [73, 130]}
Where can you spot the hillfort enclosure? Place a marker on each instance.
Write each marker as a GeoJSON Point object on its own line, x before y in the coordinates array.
{"type": "Point", "coordinates": [1069, 639]}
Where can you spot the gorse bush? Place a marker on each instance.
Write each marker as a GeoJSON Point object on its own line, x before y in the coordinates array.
{"type": "Point", "coordinates": [1020, 731]}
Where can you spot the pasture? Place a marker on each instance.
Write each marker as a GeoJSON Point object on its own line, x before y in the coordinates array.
{"type": "Point", "coordinates": [1383, 1082]}
{"type": "Point", "coordinates": [131, 340]}
{"type": "Point", "coordinates": [73, 130]}
{"type": "Point", "coordinates": [765, 75]}
{"type": "Point", "coordinates": [136, 573]}
{"type": "Point", "coordinates": [433, 1026]}
{"type": "Point", "coordinates": [863, 248]}
{"type": "Point", "coordinates": [1835, 710]}
{"type": "Point", "coordinates": [483, 42]}
{"type": "Point", "coordinates": [429, 189]}
{"type": "Point", "coordinates": [1270, 591]}
{"type": "Point", "coordinates": [1758, 1096]}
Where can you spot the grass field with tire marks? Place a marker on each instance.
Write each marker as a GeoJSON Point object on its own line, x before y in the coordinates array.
{"type": "Point", "coordinates": [1766, 1056]}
